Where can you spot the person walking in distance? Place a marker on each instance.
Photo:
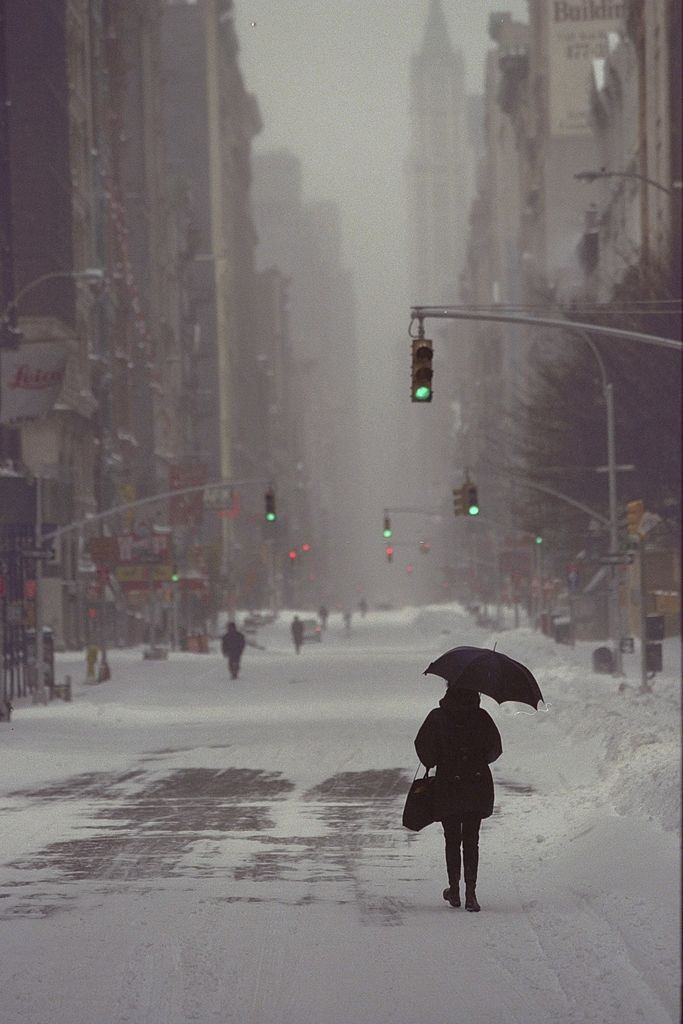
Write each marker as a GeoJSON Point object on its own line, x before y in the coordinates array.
{"type": "Point", "coordinates": [461, 739]}
{"type": "Point", "coordinates": [297, 633]}
{"type": "Point", "coordinates": [323, 616]}
{"type": "Point", "coordinates": [232, 645]}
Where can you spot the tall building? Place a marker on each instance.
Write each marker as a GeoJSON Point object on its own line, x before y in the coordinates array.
{"type": "Point", "coordinates": [438, 179]}
{"type": "Point", "coordinates": [437, 170]}
{"type": "Point", "coordinates": [210, 121]}
{"type": "Point", "coordinates": [303, 241]}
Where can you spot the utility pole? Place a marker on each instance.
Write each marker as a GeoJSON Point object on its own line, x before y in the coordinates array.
{"type": "Point", "coordinates": [642, 590]}
{"type": "Point", "coordinates": [39, 691]}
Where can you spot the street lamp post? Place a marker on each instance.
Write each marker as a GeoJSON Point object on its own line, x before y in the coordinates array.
{"type": "Point", "coordinates": [10, 338]}
{"type": "Point", "coordinates": [9, 335]}
{"type": "Point", "coordinates": [420, 313]}
{"type": "Point", "coordinates": [591, 176]}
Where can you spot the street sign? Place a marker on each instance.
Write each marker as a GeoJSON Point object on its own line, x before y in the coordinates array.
{"type": "Point", "coordinates": [622, 558]}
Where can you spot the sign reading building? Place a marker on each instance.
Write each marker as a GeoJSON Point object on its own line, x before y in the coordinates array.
{"type": "Point", "coordinates": [578, 34]}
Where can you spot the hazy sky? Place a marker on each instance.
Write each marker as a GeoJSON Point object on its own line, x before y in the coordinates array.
{"type": "Point", "coordinates": [331, 78]}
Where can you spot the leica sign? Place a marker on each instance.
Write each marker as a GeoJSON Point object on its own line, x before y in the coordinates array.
{"type": "Point", "coordinates": [31, 380]}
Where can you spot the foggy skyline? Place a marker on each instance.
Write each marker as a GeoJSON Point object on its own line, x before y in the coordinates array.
{"type": "Point", "coordinates": [332, 85]}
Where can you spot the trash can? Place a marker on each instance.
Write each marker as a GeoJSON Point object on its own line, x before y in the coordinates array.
{"type": "Point", "coordinates": [603, 660]}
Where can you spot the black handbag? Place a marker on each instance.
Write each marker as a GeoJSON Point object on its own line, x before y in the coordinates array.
{"type": "Point", "coordinates": [419, 810]}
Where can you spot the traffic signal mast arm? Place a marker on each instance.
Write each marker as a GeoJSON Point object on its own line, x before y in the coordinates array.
{"type": "Point", "coordinates": [110, 513]}
{"type": "Point", "coordinates": [421, 313]}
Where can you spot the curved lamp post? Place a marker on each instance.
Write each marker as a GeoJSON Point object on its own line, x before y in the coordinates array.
{"type": "Point", "coordinates": [8, 324]}
{"type": "Point", "coordinates": [10, 338]}
{"type": "Point", "coordinates": [591, 176]}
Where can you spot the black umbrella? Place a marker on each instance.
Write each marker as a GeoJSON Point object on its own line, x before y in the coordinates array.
{"type": "Point", "coordinates": [489, 672]}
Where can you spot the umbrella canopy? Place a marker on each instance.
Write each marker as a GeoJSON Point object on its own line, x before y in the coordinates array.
{"type": "Point", "coordinates": [489, 672]}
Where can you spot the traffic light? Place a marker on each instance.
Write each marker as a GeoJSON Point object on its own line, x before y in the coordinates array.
{"type": "Point", "coordinates": [458, 501]}
{"type": "Point", "coordinates": [421, 371]}
{"type": "Point", "coordinates": [472, 502]}
{"type": "Point", "coordinates": [175, 575]}
{"type": "Point", "coordinates": [292, 555]}
{"type": "Point", "coordinates": [387, 533]}
{"type": "Point", "coordinates": [635, 510]}
{"type": "Point", "coordinates": [538, 539]}
{"type": "Point", "coordinates": [305, 548]}
{"type": "Point", "coordinates": [269, 498]}
{"type": "Point", "coordinates": [389, 552]}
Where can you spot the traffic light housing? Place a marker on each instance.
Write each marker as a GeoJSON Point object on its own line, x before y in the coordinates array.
{"type": "Point", "coordinates": [635, 510]}
{"type": "Point", "coordinates": [389, 552]}
{"type": "Point", "coordinates": [387, 532]}
{"type": "Point", "coordinates": [421, 370]}
{"type": "Point", "coordinates": [270, 513]}
{"type": "Point", "coordinates": [471, 500]}
{"type": "Point", "coordinates": [458, 501]}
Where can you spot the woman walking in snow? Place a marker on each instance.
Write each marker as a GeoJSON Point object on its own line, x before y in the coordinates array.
{"type": "Point", "coordinates": [461, 739]}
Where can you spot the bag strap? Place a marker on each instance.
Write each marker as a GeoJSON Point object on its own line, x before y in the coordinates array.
{"type": "Point", "coordinates": [420, 765]}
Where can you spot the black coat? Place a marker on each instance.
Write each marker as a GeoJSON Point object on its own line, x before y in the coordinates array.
{"type": "Point", "coordinates": [461, 742]}
{"type": "Point", "coordinates": [232, 643]}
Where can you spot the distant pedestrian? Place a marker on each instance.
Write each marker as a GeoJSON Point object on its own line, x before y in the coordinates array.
{"type": "Point", "coordinates": [323, 615]}
{"type": "Point", "coordinates": [347, 621]}
{"type": "Point", "coordinates": [297, 628]}
{"type": "Point", "coordinates": [232, 645]}
{"type": "Point", "coordinates": [461, 739]}
{"type": "Point", "coordinates": [363, 607]}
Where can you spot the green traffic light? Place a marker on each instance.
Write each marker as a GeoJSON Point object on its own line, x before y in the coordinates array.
{"type": "Point", "coordinates": [388, 534]}
{"type": "Point", "coordinates": [539, 540]}
{"type": "Point", "coordinates": [473, 510]}
{"type": "Point", "coordinates": [423, 393]}
{"type": "Point", "coordinates": [270, 517]}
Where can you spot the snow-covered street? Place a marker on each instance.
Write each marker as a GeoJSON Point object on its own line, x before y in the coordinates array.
{"type": "Point", "coordinates": [182, 848]}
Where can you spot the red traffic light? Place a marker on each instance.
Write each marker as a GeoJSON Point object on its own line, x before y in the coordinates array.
{"type": "Point", "coordinates": [409, 568]}
{"type": "Point", "coordinates": [389, 552]}
{"type": "Point", "coordinates": [305, 547]}
{"type": "Point", "coordinates": [292, 554]}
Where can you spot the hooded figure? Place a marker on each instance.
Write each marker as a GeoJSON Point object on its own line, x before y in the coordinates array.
{"type": "Point", "coordinates": [232, 646]}
{"type": "Point", "coordinates": [461, 739]}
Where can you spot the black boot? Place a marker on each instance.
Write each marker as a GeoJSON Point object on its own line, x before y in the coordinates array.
{"type": "Point", "coordinates": [452, 895]}
{"type": "Point", "coordinates": [471, 902]}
